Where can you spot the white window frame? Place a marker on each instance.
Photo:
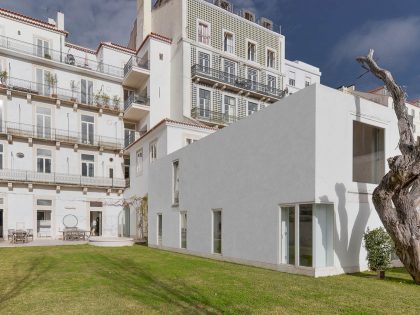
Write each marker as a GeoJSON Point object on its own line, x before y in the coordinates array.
{"type": "Point", "coordinates": [235, 114]}
{"type": "Point", "coordinates": [247, 107]}
{"type": "Point", "coordinates": [88, 124]}
{"type": "Point", "coordinates": [44, 50]}
{"type": "Point", "coordinates": [88, 163]}
{"type": "Point", "coordinates": [276, 79]}
{"type": "Point", "coordinates": [181, 215]}
{"type": "Point", "coordinates": [267, 50]}
{"type": "Point", "coordinates": [202, 69]}
{"type": "Point", "coordinates": [42, 130]}
{"type": "Point", "coordinates": [249, 41]}
{"type": "Point", "coordinates": [153, 151]}
{"type": "Point", "coordinates": [42, 87]}
{"type": "Point", "coordinates": [308, 81]}
{"type": "Point", "coordinates": [224, 32]}
{"type": "Point", "coordinates": [44, 158]}
{"type": "Point", "coordinates": [208, 114]}
{"type": "Point", "coordinates": [175, 183]}
{"type": "Point", "coordinates": [199, 21]}
{"type": "Point", "coordinates": [139, 161]}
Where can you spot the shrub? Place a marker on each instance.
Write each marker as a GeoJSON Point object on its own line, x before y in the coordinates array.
{"type": "Point", "coordinates": [379, 248]}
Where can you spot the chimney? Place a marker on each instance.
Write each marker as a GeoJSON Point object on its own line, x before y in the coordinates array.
{"type": "Point", "coordinates": [144, 20]}
{"type": "Point", "coordinates": [60, 21]}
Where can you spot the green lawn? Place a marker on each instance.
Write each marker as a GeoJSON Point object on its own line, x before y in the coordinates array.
{"type": "Point", "coordinates": [93, 280]}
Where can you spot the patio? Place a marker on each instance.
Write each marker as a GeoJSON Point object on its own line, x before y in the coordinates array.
{"type": "Point", "coordinates": [41, 242]}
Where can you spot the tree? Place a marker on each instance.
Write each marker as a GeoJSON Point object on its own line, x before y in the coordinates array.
{"type": "Point", "coordinates": [379, 246]}
{"type": "Point", "coordinates": [396, 196]}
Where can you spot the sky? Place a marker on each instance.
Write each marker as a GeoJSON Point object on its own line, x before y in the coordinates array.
{"type": "Point", "coordinates": [329, 34]}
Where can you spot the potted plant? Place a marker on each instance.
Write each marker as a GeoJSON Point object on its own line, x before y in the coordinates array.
{"type": "Point", "coordinates": [379, 248]}
{"type": "Point", "coordinates": [52, 83]}
{"type": "Point", "coordinates": [116, 101]}
{"type": "Point", "coordinates": [3, 77]}
{"type": "Point", "coordinates": [74, 88]}
{"type": "Point", "coordinates": [98, 99]}
{"type": "Point", "coordinates": [105, 99]}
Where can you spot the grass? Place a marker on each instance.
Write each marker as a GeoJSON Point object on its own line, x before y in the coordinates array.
{"type": "Point", "coordinates": [136, 280]}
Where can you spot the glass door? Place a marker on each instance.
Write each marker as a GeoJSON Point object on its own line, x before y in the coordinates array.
{"type": "Point", "coordinates": [43, 122]}
{"type": "Point", "coordinates": [88, 124]}
{"type": "Point", "coordinates": [288, 235]}
{"type": "Point", "coordinates": [204, 103]}
{"type": "Point", "coordinates": [229, 71]}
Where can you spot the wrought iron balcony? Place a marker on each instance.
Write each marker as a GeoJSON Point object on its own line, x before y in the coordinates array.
{"type": "Point", "coordinates": [136, 72]}
{"type": "Point", "coordinates": [236, 83]}
{"type": "Point", "coordinates": [16, 129]}
{"type": "Point", "coordinates": [67, 95]}
{"type": "Point", "coordinates": [137, 62]}
{"type": "Point", "coordinates": [212, 117]}
{"type": "Point", "coordinates": [59, 56]}
{"type": "Point", "coordinates": [136, 99]}
{"type": "Point", "coordinates": [9, 175]}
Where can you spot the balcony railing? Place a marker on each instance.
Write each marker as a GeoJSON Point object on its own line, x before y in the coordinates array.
{"type": "Point", "coordinates": [236, 81]}
{"type": "Point", "coordinates": [138, 62]}
{"type": "Point", "coordinates": [212, 116]}
{"type": "Point", "coordinates": [61, 179]}
{"type": "Point", "coordinates": [59, 56]}
{"type": "Point", "coordinates": [136, 99]}
{"type": "Point", "coordinates": [58, 93]}
{"type": "Point", "coordinates": [59, 135]}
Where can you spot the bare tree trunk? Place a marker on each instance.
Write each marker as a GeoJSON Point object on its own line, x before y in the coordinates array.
{"type": "Point", "coordinates": [396, 196]}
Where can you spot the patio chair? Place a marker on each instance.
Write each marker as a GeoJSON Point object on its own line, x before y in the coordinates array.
{"type": "Point", "coordinates": [20, 236]}
{"type": "Point", "coordinates": [30, 234]}
{"type": "Point", "coordinates": [10, 233]}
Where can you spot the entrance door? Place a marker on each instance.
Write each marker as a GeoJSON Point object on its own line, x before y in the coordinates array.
{"type": "Point", "coordinates": [96, 223]}
{"type": "Point", "coordinates": [1, 223]}
{"type": "Point", "coordinates": [288, 235]}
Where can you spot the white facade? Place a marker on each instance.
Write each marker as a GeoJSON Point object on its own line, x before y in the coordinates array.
{"type": "Point", "coordinates": [300, 75]}
{"type": "Point", "coordinates": [295, 157]}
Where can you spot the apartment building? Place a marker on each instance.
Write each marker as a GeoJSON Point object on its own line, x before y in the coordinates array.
{"type": "Point", "coordinates": [208, 66]}
{"type": "Point", "coordinates": [61, 130]}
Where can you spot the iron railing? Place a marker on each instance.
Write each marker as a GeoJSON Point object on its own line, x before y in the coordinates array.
{"type": "Point", "coordinates": [136, 99]}
{"type": "Point", "coordinates": [212, 116]}
{"type": "Point", "coordinates": [236, 81]}
{"type": "Point", "coordinates": [59, 56]}
{"type": "Point", "coordinates": [58, 93]}
{"type": "Point", "coordinates": [59, 135]}
{"type": "Point", "coordinates": [138, 62]}
{"type": "Point", "coordinates": [60, 179]}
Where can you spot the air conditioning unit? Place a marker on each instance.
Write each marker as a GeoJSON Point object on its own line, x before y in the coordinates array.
{"type": "Point", "coordinates": [248, 15]}
{"type": "Point", "coordinates": [266, 23]}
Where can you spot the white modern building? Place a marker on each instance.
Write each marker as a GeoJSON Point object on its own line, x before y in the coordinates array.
{"type": "Point", "coordinates": [288, 188]}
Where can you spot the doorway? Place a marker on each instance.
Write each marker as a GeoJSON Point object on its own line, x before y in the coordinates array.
{"type": "Point", "coordinates": [96, 223]}
{"type": "Point", "coordinates": [1, 223]}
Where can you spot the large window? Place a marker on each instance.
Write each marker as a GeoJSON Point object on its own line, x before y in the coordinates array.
{"type": "Point", "coordinates": [204, 103]}
{"type": "Point", "coordinates": [139, 161]}
{"type": "Point", "coordinates": [175, 182]}
{"type": "Point", "coordinates": [305, 235]}
{"type": "Point", "coordinates": [86, 96]}
{"type": "Point", "coordinates": [228, 43]}
{"type": "Point", "coordinates": [88, 126]}
{"type": "Point", "coordinates": [43, 161]}
{"type": "Point", "coordinates": [368, 153]}
{"type": "Point", "coordinates": [229, 109]}
{"type": "Point", "coordinates": [43, 122]}
{"type": "Point", "coordinates": [252, 51]}
{"type": "Point", "coordinates": [88, 165]}
{"type": "Point", "coordinates": [253, 78]}
{"type": "Point", "coordinates": [229, 71]}
{"type": "Point", "coordinates": [204, 62]}
{"type": "Point", "coordinates": [42, 85]}
{"type": "Point", "coordinates": [203, 33]}
{"type": "Point", "coordinates": [183, 230]}
{"type": "Point", "coordinates": [43, 48]}
{"type": "Point", "coordinates": [217, 231]}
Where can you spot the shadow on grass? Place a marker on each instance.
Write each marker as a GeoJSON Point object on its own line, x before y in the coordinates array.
{"type": "Point", "coordinates": [391, 276]}
{"type": "Point", "coordinates": [130, 278]}
{"type": "Point", "coordinates": [36, 269]}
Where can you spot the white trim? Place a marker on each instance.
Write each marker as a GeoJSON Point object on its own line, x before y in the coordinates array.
{"type": "Point", "coordinates": [247, 42]}
{"type": "Point", "coordinates": [198, 22]}
{"type": "Point", "coordinates": [275, 63]}
{"type": "Point", "coordinates": [225, 31]}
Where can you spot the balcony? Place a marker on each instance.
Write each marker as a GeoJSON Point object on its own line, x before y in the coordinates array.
{"type": "Point", "coordinates": [20, 130]}
{"type": "Point", "coordinates": [56, 93]}
{"type": "Point", "coordinates": [39, 52]}
{"type": "Point", "coordinates": [213, 117]}
{"type": "Point", "coordinates": [23, 176]}
{"type": "Point", "coordinates": [136, 107]}
{"type": "Point", "coordinates": [234, 83]}
{"type": "Point", "coordinates": [136, 72]}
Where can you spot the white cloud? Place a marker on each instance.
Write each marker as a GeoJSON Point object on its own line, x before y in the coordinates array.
{"type": "Point", "coordinates": [395, 41]}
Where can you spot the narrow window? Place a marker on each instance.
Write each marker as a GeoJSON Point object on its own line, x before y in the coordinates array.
{"type": "Point", "coordinates": [271, 59]}
{"type": "Point", "coordinates": [272, 83]}
{"type": "Point", "coordinates": [139, 161]}
{"type": "Point", "coordinates": [204, 62]}
{"type": "Point", "coordinates": [292, 78]}
{"type": "Point", "coordinates": [88, 126]}
{"type": "Point", "coordinates": [229, 109]}
{"type": "Point", "coordinates": [43, 122]}
{"type": "Point", "coordinates": [43, 161]}
{"type": "Point", "coordinates": [43, 48]}
{"type": "Point", "coordinates": [184, 230]}
{"type": "Point", "coordinates": [217, 232]}
{"type": "Point", "coordinates": [228, 45]}
{"type": "Point", "coordinates": [86, 96]}
{"type": "Point", "coordinates": [307, 81]}
{"type": "Point", "coordinates": [88, 165]}
{"type": "Point", "coordinates": [288, 235]}
{"type": "Point", "coordinates": [159, 229]}
{"type": "Point", "coordinates": [203, 33]}
{"type": "Point", "coordinates": [204, 103]}
{"type": "Point", "coordinates": [153, 151]}
{"type": "Point", "coordinates": [368, 153]}
{"type": "Point", "coordinates": [252, 108]}
{"type": "Point", "coordinates": [229, 71]}
{"type": "Point", "coordinates": [43, 87]}
{"type": "Point", "coordinates": [253, 78]}
{"type": "Point", "coordinates": [305, 235]}
{"type": "Point", "coordinates": [252, 51]}
{"type": "Point", "coordinates": [175, 182]}
{"type": "Point", "coordinates": [1, 156]}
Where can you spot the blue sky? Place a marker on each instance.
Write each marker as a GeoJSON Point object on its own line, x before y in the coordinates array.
{"type": "Point", "coordinates": [326, 33]}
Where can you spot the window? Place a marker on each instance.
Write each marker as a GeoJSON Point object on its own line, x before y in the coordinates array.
{"type": "Point", "coordinates": [126, 168]}
{"type": "Point", "coordinates": [253, 78]}
{"type": "Point", "coordinates": [305, 235]}
{"type": "Point", "coordinates": [252, 108]}
{"type": "Point", "coordinates": [204, 62]}
{"type": "Point", "coordinates": [159, 229]}
{"type": "Point", "coordinates": [42, 48]}
{"type": "Point", "coordinates": [86, 95]}
{"type": "Point", "coordinates": [183, 230]}
{"type": "Point", "coordinates": [204, 103]}
{"type": "Point", "coordinates": [153, 151]}
{"type": "Point", "coordinates": [252, 51]}
{"type": "Point", "coordinates": [129, 133]}
{"type": "Point", "coordinates": [229, 109]}
{"type": "Point", "coordinates": [249, 16]}
{"type": "Point", "coordinates": [271, 59]}
{"type": "Point", "coordinates": [43, 161]}
{"type": "Point", "coordinates": [288, 235]}
{"type": "Point", "coordinates": [190, 141]}
{"type": "Point", "coordinates": [368, 153]}
{"type": "Point", "coordinates": [203, 33]}
{"type": "Point", "coordinates": [175, 182]}
{"type": "Point", "coordinates": [42, 85]}
{"type": "Point", "coordinates": [1, 156]}
{"type": "Point", "coordinates": [88, 165]}
{"type": "Point", "coordinates": [292, 78]}
{"type": "Point", "coordinates": [229, 71]}
{"type": "Point", "coordinates": [217, 232]}
{"type": "Point", "coordinates": [228, 43]}
{"type": "Point", "coordinates": [272, 83]}
{"type": "Point", "coordinates": [111, 172]}
{"type": "Point", "coordinates": [307, 81]}
{"type": "Point", "coordinates": [139, 161]}
{"type": "Point", "coordinates": [96, 204]}
{"type": "Point", "coordinates": [43, 122]}
{"type": "Point", "coordinates": [44, 202]}
{"type": "Point", "coordinates": [88, 124]}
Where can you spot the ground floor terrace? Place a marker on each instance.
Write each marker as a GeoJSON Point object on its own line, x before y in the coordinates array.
{"type": "Point", "coordinates": [140, 280]}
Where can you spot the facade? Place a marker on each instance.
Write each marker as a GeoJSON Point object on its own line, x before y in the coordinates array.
{"type": "Point", "coordinates": [299, 197]}
{"type": "Point", "coordinates": [300, 75]}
